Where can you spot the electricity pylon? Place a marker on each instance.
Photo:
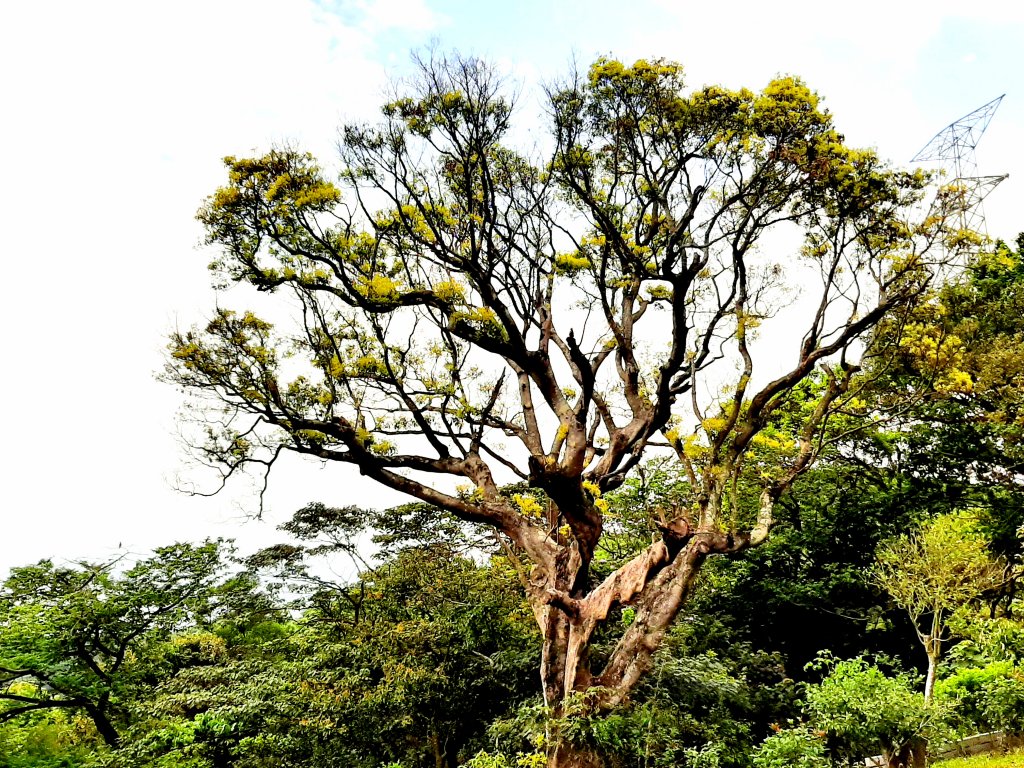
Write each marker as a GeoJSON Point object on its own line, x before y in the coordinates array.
{"type": "Point", "coordinates": [959, 201]}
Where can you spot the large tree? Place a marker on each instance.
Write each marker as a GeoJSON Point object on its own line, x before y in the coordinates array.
{"type": "Point", "coordinates": [471, 318]}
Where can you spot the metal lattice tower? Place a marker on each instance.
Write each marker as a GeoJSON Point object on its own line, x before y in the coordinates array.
{"type": "Point", "coordinates": [956, 142]}
{"type": "Point", "coordinates": [953, 147]}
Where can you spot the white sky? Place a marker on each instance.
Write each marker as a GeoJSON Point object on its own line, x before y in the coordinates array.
{"type": "Point", "coordinates": [114, 117]}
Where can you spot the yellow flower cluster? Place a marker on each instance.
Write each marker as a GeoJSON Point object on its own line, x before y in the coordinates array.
{"type": "Point", "coordinates": [528, 505]}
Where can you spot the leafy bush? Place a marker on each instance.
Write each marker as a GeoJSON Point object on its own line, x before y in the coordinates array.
{"type": "Point", "coordinates": [985, 698]}
{"type": "Point", "coordinates": [798, 747]}
{"type": "Point", "coordinates": [864, 711]}
{"type": "Point", "coordinates": [534, 759]}
{"type": "Point", "coordinates": [1004, 702]}
{"type": "Point", "coordinates": [987, 640]}
{"type": "Point", "coordinates": [966, 693]}
{"type": "Point", "coordinates": [47, 740]}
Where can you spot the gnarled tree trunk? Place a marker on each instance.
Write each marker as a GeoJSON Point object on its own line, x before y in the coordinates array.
{"type": "Point", "coordinates": [656, 584]}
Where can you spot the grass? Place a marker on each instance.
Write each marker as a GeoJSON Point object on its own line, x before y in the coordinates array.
{"type": "Point", "coordinates": [1013, 759]}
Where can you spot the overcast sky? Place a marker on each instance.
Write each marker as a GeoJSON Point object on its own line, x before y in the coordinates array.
{"type": "Point", "coordinates": [114, 117]}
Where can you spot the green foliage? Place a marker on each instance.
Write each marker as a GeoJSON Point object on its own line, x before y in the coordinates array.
{"type": "Point", "coordinates": [985, 698]}
{"type": "Point", "coordinates": [985, 684]}
{"type": "Point", "coordinates": [534, 759]}
{"type": "Point", "coordinates": [702, 703]}
{"type": "Point", "coordinates": [85, 638]}
{"type": "Point", "coordinates": [1009, 760]}
{"type": "Point", "coordinates": [975, 332]}
{"type": "Point", "coordinates": [863, 710]}
{"type": "Point", "coordinates": [48, 740]}
{"type": "Point", "coordinates": [415, 656]}
{"type": "Point", "coordinates": [934, 573]}
{"type": "Point", "coordinates": [815, 570]}
{"type": "Point", "coordinates": [1003, 702]}
{"type": "Point", "coordinates": [939, 569]}
{"type": "Point", "coordinates": [710, 691]}
{"type": "Point", "coordinates": [796, 747]}
{"type": "Point", "coordinates": [988, 640]}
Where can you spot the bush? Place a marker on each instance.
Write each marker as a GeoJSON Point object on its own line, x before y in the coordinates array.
{"type": "Point", "coordinates": [1004, 702]}
{"type": "Point", "coordinates": [986, 698]}
{"type": "Point", "coordinates": [53, 739]}
{"type": "Point", "coordinates": [798, 747]}
{"type": "Point", "coordinates": [863, 710]}
{"type": "Point", "coordinates": [965, 691]}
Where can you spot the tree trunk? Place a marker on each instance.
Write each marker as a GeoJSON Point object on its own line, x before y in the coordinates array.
{"type": "Point", "coordinates": [567, 626]}
{"type": "Point", "coordinates": [104, 727]}
{"type": "Point", "coordinates": [565, 756]}
{"type": "Point", "coordinates": [656, 606]}
{"type": "Point", "coordinates": [913, 754]}
{"type": "Point", "coordinates": [929, 681]}
{"type": "Point", "coordinates": [933, 648]}
{"type": "Point", "coordinates": [564, 671]}
{"type": "Point", "coordinates": [440, 754]}
{"type": "Point", "coordinates": [554, 657]}
{"type": "Point", "coordinates": [919, 754]}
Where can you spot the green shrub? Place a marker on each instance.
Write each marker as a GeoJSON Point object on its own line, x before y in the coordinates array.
{"type": "Point", "coordinates": [799, 747]}
{"type": "Point", "coordinates": [985, 698]}
{"type": "Point", "coordinates": [964, 691]}
{"type": "Point", "coordinates": [1004, 702]}
{"type": "Point", "coordinates": [864, 711]}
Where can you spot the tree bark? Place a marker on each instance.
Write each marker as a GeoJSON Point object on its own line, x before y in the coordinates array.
{"type": "Point", "coordinates": [656, 605]}
{"type": "Point", "coordinates": [104, 727]}
{"type": "Point", "coordinates": [440, 755]}
{"type": "Point", "coordinates": [566, 756]}
{"type": "Point", "coordinates": [554, 657]}
{"type": "Point", "coordinates": [933, 666]}
{"type": "Point", "coordinates": [913, 754]}
{"type": "Point", "coordinates": [656, 585]}
{"type": "Point", "coordinates": [919, 753]}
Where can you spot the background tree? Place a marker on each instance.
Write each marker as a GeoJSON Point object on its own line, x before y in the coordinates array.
{"type": "Point", "coordinates": [410, 672]}
{"type": "Point", "coordinates": [960, 357]}
{"type": "Point", "coordinates": [815, 571]}
{"type": "Point", "coordinates": [469, 319]}
{"type": "Point", "coordinates": [939, 569]}
{"type": "Point", "coordinates": [419, 651]}
{"type": "Point", "coordinates": [79, 638]}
